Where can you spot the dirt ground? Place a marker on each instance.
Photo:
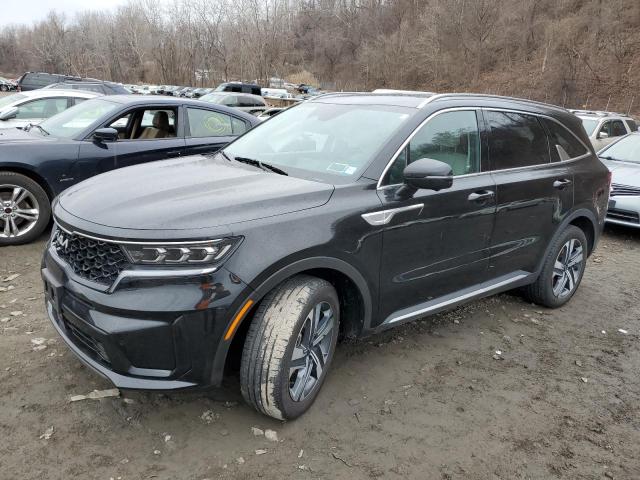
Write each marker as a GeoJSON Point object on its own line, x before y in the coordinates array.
{"type": "Point", "coordinates": [424, 401]}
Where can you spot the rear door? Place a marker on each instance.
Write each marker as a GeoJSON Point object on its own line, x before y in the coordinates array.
{"type": "Point", "coordinates": [436, 243]}
{"type": "Point", "coordinates": [208, 131]}
{"type": "Point", "coordinates": [533, 192]}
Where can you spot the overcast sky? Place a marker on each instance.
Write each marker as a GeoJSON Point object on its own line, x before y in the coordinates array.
{"type": "Point", "coordinates": [27, 12]}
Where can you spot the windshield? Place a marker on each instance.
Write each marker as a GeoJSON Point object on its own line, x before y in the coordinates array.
{"type": "Point", "coordinates": [74, 120]}
{"type": "Point", "coordinates": [589, 125]}
{"type": "Point", "coordinates": [626, 150]}
{"type": "Point", "coordinates": [4, 101]}
{"type": "Point", "coordinates": [330, 139]}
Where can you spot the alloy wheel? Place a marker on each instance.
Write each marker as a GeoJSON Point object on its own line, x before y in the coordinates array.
{"type": "Point", "coordinates": [311, 351]}
{"type": "Point", "coordinates": [567, 268]}
{"type": "Point", "coordinates": [19, 211]}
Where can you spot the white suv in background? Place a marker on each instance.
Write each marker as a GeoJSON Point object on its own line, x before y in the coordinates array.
{"type": "Point", "coordinates": [605, 127]}
{"type": "Point", "coordinates": [35, 106]}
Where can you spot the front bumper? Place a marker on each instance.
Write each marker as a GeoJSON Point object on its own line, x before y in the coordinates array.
{"type": "Point", "coordinates": [155, 332]}
{"type": "Point", "coordinates": [624, 210]}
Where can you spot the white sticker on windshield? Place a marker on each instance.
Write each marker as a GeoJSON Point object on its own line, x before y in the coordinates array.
{"type": "Point", "coordinates": [338, 167]}
{"type": "Point", "coordinates": [350, 170]}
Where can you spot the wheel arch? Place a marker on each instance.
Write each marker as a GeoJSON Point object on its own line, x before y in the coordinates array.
{"type": "Point", "coordinates": [356, 303]}
{"type": "Point", "coordinates": [586, 221]}
{"type": "Point", "coordinates": [32, 174]}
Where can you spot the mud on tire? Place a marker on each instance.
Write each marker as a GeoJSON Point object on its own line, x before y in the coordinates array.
{"type": "Point", "coordinates": [280, 352]}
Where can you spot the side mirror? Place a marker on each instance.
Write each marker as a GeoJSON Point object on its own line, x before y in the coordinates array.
{"type": "Point", "coordinates": [9, 113]}
{"type": "Point", "coordinates": [106, 135]}
{"type": "Point", "coordinates": [428, 174]}
{"type": "Point", "coordinates": [602, 135]}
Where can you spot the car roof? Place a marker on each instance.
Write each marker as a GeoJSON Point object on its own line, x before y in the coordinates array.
{"type": "Point", "coordinates": [231, 94]}
{"type": "Point", "coordinates": [153, 100]}
{"type": "Point", "coordinates": [60, 92]}
{"type": "Point", "coordinates": [599, 115]}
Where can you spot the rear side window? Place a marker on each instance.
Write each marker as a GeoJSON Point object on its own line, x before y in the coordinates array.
{"type": "Point", "coordinates": [617, 128]}
{"type": "Point", "coordinates": [205, 123]}
{"type": "Point", "coordinates": [516, 140]}
{"type": "Point", "coordinates": [564, 145]}
{"type": "Point", "coordinates": [632, 125]}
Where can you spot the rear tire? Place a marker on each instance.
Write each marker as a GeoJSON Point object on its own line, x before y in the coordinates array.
{"type": "Point", "coordinates": [562, 270]}
{"type": "Point", "coordinates": [289, 347]}
{"type": "Point", "coordinates": [25, 209]}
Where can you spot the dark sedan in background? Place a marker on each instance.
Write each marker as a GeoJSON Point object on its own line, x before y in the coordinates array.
{"type": "Point", "coordinates": [99, 135]}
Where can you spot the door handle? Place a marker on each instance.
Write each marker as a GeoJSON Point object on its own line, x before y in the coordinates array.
{"type": "Point", "coordinates": [560, 184]}
{"type": "Point", "coordinates": [481, 196]}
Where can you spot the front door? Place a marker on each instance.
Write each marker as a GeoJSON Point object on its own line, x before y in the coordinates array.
{"type": "Point", "coordinates": [436, 243]}
{"type": "Point", "coordinates": [150, 134]}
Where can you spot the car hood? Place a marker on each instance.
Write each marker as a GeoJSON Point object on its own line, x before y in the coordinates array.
{"type": "Point", "coordinates": [190, 193]}
{"type": "Point", "coordinates": [10, 134]}
{"type": "Point", "coordinates": [624, 173]}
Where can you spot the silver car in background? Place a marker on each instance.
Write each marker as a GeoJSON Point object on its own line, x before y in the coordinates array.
{"type": "Point", "coordinates": [35, 106]}
{"type": "Point", "coordinates": [246, 102]}
{"type": "Point", "coordinates": [604, 128]}
{"type": "Point", "coordinates": [622, 158]}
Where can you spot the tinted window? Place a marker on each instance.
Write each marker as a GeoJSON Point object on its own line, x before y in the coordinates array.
{"type": "Point", "coordinates": [516, 140]}
{"type": "Point", "coordinates": [617, 128]}
{"type": "Point", "coordinates": [205, 123]}
{"type": "Point", "coordinates": [632, 125]}
{"type": "Point", "coordinates": [564, 144]}
{"type": "Point", "coordinates": [44, 108]}
{"type": "Point", "coordinates": [449, 137]}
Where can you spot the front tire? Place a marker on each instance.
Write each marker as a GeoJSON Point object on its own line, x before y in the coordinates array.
{"type": "Point", "coordinates": [289, 347]}
{"type": "Point", "coordinates": [562, 270]}
{"type": "Point", "coordinates": [25, 209]}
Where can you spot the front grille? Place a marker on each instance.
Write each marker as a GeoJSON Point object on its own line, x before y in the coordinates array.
{"type": "Point", "coordinates": [618, 190]}
{"type": "Point", "coordinates": [623, 215]}
{"type": "Point", "coordinates": [88, 343]}
{"type": "Point", "coordinates": [95, 260]}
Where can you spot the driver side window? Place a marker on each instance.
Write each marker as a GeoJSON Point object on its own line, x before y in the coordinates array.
{"type": "Point", "coordinates": [451, 137]}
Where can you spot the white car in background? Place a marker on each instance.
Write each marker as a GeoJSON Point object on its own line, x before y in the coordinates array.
{"type": "Point", "coordinates": [622, 158]}
{"type": "Point", "coordinates": [35, 106]}
{"type": "Point", "coordinates": [604, 128]}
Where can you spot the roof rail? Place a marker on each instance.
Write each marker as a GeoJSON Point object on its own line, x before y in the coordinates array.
{"type": "Point", "coordinates": [440, 96]}
{"type": "Point", "coordinates": [599, 113]}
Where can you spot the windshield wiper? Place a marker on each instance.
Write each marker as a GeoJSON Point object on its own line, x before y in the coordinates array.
{"type": "Point", "coordinates": [257, 163]}
{"type": "Point", "coordinates": [31, 125]}
{"type": "Point", "coordinates": [608, 157]}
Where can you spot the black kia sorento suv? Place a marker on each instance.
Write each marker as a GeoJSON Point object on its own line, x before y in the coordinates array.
{"type": "Point", "coordinates": [345, 215]}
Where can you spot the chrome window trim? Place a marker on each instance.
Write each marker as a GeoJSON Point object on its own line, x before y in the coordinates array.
{"type": "Point", "coordinates": [453, 109]}
{"type": "Point", "coordinates": [130, 242]}
{"type": "Point", "coordinates": [413, 134]}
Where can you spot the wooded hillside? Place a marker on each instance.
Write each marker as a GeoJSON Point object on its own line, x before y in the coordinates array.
{"type": "Point", "coordinates": [578, 53]}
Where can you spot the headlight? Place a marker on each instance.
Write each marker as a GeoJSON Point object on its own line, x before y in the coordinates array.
{"type": "Point", "coordinates": [201, 253]}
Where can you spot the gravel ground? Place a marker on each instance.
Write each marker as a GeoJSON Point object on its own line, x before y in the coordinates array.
{"type": "Point", "coordinates": [425, 401]}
